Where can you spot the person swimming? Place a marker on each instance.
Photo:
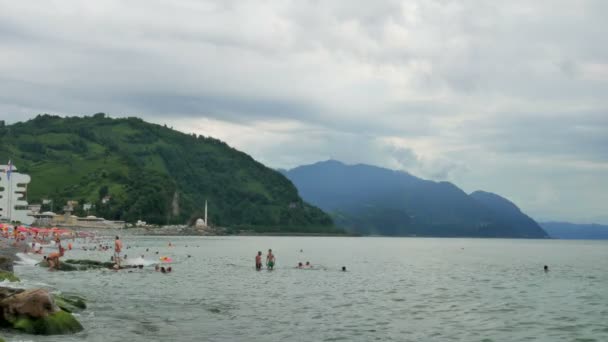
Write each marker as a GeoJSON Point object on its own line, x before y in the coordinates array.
{"type": "Point", "coordinates": [270, 260]}
{"type": "Point", "coordinates": [157, 268]}
{"type": "Point", "coordinates": [343, 268]}
{"type": "Point", "coordinates": [163, 270]}
{"type": "Point", "coordinates": [299, 265]}
{"type": "Point", "coordinates": [308, 264]}
{"type": "Point", "coordinates": [258, 261]}
{"type": "Point", "coordinates": [169, 269]}
{"type": "Point", "coordinates": [546, 268]}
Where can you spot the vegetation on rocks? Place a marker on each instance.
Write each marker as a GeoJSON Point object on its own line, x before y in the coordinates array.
{"type": "Point", "coordinates": [5, 275]}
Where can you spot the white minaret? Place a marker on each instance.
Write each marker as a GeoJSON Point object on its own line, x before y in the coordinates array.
{"type": "Point", "coordinates": [206, 222]}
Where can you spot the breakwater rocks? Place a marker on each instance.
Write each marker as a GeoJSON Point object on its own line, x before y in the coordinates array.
{"type": "Point", "coordinates": [84, 265]}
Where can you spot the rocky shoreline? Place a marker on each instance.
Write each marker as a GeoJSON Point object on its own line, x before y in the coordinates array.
{"type": "Point", "coordinates": [35, 311]}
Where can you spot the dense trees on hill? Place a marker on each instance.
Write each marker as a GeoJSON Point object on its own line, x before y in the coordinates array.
{"type": "Point", "coordinates": [130, 169]}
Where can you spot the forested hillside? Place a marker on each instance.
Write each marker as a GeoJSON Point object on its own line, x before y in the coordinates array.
{"type": "Point", "coordinates": [153, 173]}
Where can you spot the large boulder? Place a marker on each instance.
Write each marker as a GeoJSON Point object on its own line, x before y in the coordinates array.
{"type": "Point", "coordinates": [35, 312]}
{"type": "Point", "coordinates": [34, 303]}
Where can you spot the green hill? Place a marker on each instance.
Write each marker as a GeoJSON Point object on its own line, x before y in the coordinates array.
{"type": "Point", "coordinates": [153, 173]}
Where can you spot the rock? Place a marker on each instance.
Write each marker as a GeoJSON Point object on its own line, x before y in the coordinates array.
{"type": "Point", "coordinates": [62, 266]}
{"type": "Point", "coordinates": [89, 264]}
{"type": "Point", "coordinates": [8, 291]}
{"type": "Point", "coordinates": [6, 264]}
{"type": "Point", "coordinates": [35, 303]}
{"type": "Point", "coordinates": [5, 275]}
{"type": "Point", "coordinates": [35, 312]}
{"type": "Point", "coordinates": [57, 323]}
{"type": "Point", "coordinates": [70, 302]}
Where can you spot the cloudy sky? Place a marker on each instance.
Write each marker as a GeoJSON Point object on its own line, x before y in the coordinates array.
{"type": "Point", "coordinates": [505, 96]}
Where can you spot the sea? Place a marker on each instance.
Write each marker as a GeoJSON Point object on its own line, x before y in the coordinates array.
{"type": "Point", "coordinates": [394, 289]}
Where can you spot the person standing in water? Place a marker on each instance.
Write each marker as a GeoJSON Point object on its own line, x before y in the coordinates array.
{"type": "Point", "coordinates": [270, 260]}
{"type": "Point", "coordinates": [258, 261]}
{"type": "Point", "coordinates": [117, 250]}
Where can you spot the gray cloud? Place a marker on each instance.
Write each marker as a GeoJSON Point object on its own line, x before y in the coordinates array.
{"type": "Point", "coordinates": [503, 96]}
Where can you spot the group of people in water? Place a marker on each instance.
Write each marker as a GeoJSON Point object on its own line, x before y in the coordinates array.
{"type": "Point", "coordinates": [270, 260]}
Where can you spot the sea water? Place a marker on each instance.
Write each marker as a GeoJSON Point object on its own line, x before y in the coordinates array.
{"type": "Point", "coordinates": [395, 289]}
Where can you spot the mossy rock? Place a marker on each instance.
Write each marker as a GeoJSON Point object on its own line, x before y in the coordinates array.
{"type": "Point", "coordinates": [6, 264]}
{"type": "Point", "coordinates": [58, 323]}
{"type": "Point", "coordinates": [69, 302]}
{"type": "Point", "coordinates": [4, 275]}
{"type": "Point", "coordinates": [63, 266]}
{"type": "Point", "coordinates": [90, 263]}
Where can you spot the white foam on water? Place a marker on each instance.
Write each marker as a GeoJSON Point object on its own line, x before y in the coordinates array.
{"type": "Point", "coordinates": [138, 261]}
{"type": "Point", "coordinates": [26, 260]}
{"type": "Point", "coordinates": [12, 285]}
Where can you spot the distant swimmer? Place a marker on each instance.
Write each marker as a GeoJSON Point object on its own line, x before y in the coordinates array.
{"type": "Point", "coordinates": [299, 265]}
{"type": "Point", "coordinates": [343, 268]}
{"type": "Point", "coordinates": [163, 270]}
{"type": "Point", "coordinates": [157, 268]}
{"type": "Point", "coordinates": [546, 268]}
{"type": "Point", "coordinates": [258, 261]}
{"type": "Point", "coordinates": [117, 250]}
{"type": "Point", "coordinates": [270, 260]}
{"type": "Point", "coordinates": [308, 264]}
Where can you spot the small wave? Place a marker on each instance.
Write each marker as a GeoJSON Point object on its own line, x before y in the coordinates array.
{"type": "Point", "coordinates": [26, 260]}
{"type": "Point", "coordinates": [139, 261]}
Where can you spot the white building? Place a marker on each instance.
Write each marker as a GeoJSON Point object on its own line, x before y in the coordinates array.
{"type": "Point", "coordinates": [13, 187]}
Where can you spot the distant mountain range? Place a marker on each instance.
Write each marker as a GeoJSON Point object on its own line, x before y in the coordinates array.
{"type": "Point", "coordinates": [573, 231]}
{"type": "Point", "coordinates": [366, 199]}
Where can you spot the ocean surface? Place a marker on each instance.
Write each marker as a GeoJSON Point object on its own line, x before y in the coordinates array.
{"type": "Point", "coordinates": [395, 289]}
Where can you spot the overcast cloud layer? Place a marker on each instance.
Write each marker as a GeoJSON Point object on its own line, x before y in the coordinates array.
{"type": "Point", "coordinates": [506, 96]}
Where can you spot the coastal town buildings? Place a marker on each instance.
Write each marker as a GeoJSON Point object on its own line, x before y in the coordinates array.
{"type": "Point", "coordinates": [13, 195]}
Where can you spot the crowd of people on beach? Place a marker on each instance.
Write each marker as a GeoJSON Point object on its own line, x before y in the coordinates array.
{"type": "Point", "coordinates": [37, 241]}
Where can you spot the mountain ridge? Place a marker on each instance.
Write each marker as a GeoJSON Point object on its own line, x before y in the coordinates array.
{"type": "Point", "coordinates": [575, 231]}
{"type": "Point", "coordinates": [367, 199]}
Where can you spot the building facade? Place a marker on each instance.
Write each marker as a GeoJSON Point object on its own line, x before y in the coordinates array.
{"type": "Point", "coordinates": [13, 190]}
